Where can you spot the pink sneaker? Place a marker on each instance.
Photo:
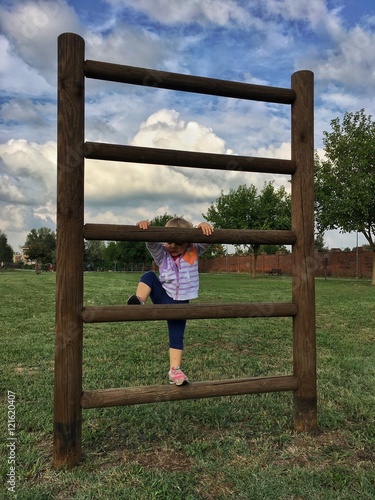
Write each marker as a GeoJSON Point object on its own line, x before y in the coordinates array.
{"type": "Point", "coordinates": [177, 376]}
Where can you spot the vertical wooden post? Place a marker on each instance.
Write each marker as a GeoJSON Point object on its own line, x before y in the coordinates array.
{"type": "Point", "coordinates": [303, 283]}
{"type": "Point", "coordinates": [69, 251]}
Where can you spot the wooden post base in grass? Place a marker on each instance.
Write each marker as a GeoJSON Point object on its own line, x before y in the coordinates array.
{"type": "Point", "coordinates": [305, 414]}
{"type": "Point", "coordinates": [67, 444]}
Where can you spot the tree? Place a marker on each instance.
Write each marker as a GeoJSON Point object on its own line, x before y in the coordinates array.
{"type": "Point", "coordinates": [6, 251]}
{"type": "Point", "coordinates": [244, 208]}
{"type": "Point", "coordinates": [161, 220]}
{"type": "Point", "coordinates": [319, 243]}
{"type": "Point", "coordinates": [345, 178]}
{"type": "Point", "coordinates": [127, 253]}
{"type": "Point", "coordinates": [111, 256]}
{"type": "Point", "coordinates": [41, 246]}
{"type": "Point", "coordinates": [94, 254]}
{"type": "Point", "coordinates": [213, 251]}
{"type": "Point", "coordinates": [133, 252]}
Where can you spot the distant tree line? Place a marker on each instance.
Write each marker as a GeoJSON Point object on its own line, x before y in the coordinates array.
{"type": "Point", "coordinates": [6, 251]}
{"type": "Point", "coordinates": [240, 209]}
{"type": "Point", "coordinates": [344, 200]}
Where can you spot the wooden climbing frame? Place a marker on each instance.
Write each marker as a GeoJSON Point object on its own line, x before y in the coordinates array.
{"type": "Point", "coordinates": [71, 314]}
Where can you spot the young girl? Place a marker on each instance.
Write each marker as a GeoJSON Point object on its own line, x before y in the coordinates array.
{"type": "Point", "coordinates": [178, 282]}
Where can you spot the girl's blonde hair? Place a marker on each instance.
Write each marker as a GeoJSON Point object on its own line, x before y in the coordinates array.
{"type": "Point", "coordinates": [178, 222]}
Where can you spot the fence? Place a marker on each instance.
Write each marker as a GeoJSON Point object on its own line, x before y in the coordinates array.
{"type": "Point", "coordinates": [336, 264]}
{"type": "Point", "coordinates": [69, 398]}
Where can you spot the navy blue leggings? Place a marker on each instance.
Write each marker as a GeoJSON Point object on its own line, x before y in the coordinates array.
{"type": "Point", "coordinates": [176, 327]}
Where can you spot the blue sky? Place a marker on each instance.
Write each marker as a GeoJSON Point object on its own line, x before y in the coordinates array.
{"type": "Point", "coordinates": [255, 41]}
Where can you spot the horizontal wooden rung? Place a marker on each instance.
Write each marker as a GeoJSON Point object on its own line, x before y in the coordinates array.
{"type": "Point", "coordinates": [104, 314]}
{"type": "Point", "coordinates": [159, 393]}
{"type": "Point", "coordinates": [187, 83]}
{"type": "Point", "coordinates": [192, 159]}
{"type": "Point", "coordinates": [118, 232]}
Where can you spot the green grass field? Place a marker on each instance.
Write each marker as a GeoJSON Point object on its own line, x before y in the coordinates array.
{"type": "Point", "coordinates": [241, 447]}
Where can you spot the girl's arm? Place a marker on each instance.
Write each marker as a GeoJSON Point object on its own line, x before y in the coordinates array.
{"type": "Point", "coordinates": [156, 249]}
{"type": "Point", "coordinates": [207, 229]}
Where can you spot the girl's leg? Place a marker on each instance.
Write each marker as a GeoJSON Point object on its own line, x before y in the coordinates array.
{"type": "Point", "coordinates": [150, 286]}
{"type": "Point", "coordinates": [176, 327]}
{"type": "Point", "coordinates": [176, 331]}
{"type": "Point", "coordinates": [176, 337]}
{"type": "Point", "coordinates": [143, 291]}
{"type": "Point", "coordinates": [175, 357]}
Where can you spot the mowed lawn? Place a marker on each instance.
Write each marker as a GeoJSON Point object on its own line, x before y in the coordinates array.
{"type": "Point", "coordinates": [241, 447]}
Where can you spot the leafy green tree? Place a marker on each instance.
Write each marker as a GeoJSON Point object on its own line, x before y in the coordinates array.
{"type": "Point", "coordinates": [41, 246]}
{"type": "Point", "coordinates": [111, 256]}
{"type": "Point", "coordinates": [345, 178]}
{"type": "Point", "coordinates": [132, 252]}
{"type": "Point", "coordinates": [135, 252]}
{"type": "Point", "coordinates": [319, 243]}
{"type": "Point", "coordinates": [273, 249]}
{"type": "Point", "coordinates": [161, 220]}
{"type": "Point", "coordinates": [214, 250]}
{"type": "Point", "coordinates": [94, 254]}
{"type": "Point", "coordinates": [6, 251]}
{"type": "Point", "coordinates": [245, 208]}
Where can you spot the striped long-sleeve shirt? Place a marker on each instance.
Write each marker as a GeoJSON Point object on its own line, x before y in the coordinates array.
{"type": "Point", "coordinates": [179, 278]}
